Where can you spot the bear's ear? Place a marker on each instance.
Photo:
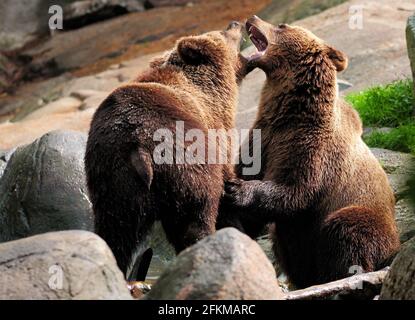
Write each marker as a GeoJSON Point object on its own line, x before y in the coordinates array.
{"type": "Point", "coordinates": [160, 60]}
{"type": "Point", "coordinates": [196, 50]}
{"type": "Point", "coordinates": [338, 58]}
{"type": "Point", "coordinates": [157, 62]}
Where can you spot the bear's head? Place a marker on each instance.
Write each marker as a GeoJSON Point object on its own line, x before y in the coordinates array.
{"type": "Point", "coordinates": [212, 56]}
{"type": "Point", "coordinates": [289, 51]}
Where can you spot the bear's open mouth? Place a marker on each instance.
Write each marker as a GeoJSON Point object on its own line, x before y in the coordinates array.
{"type": "Point", "coordinates": [258, 39]}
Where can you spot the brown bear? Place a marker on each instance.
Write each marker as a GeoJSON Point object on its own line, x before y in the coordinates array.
{"type": "Point", "coordinates": [194, 84]}
{"type": "Point", "coordinates": [324, 193]}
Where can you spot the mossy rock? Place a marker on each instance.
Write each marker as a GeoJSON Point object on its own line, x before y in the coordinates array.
{"type": "Point", "coordinates": [410, 41]}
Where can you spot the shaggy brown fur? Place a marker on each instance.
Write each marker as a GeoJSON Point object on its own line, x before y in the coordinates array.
{"type": "Point", "coordinates": [195, 83]}
{"type": "Point", "coordinates": [328, 197]}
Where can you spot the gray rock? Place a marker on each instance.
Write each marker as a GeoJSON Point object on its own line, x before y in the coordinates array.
{"type": "Point", "coordinates": [60, 265]}
{"type": "Point", "coordinates": [167, 3]}
{"type": "Point", "coordinates": [393, 162]}
{"type": "Point", "coordinates": [405, 219]}
{"type": "Point", "coordinates": [3, 162]}
{"type": "Point", "coordinates": [43, 187]}
{"type": "Point", "coordinates": [343, 84]}
{"type": "Point", "coordinates": [29, 99]}
{"type": "Point", "coordinates": [398, 168]}
{"type": "Point", "coordinates": [24, 21]}
{"type": "Point", "coordinates": [60, 106]}
{"type": "Point", "coordinates": [225, 265]}
{"type": "Point", "coordinates": [79, 13]}
{"type": "Point", "coordinates": [400, 282]}
{"type": "Point", "coordinates": [5, 156]}
{"type": "Point", "coordinates": [21, 22]}
{"type": "Point", "coordinates": [410, 42]}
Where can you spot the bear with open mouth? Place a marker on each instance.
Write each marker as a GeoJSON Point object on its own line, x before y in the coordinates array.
{"type": "Point", "coordinates": [321, 189]}
{"type": "Point", "coordinates": [196, 84]}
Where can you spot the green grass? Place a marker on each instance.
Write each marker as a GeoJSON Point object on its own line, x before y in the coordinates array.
{"type": "Point", "coordinates": [401, 139]}
{"type": "Point", "coordinates": [388, 106]}
{"type": "Point", "coordinates": [385, 106]}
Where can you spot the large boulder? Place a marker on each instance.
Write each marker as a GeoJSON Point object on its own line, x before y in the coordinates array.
{"type": "Point", "coordinates": [150, 4]}
{"type": "Point", "coordinates": [410, 42]}
{"type": "Point", "coordinates": [398, 167]}
{"type": "Point", "coordinates": [43, 187]}
{"type": "Point", "coordinates": [81, 13]}
{"type": "Point", "coordinates": [60, 265]}
{"type": "Point", "coordinates": [400, 282]}
{"type": "Point", "coordinates": [3, 161]}
{"type": "Point", "coordinates": [21, 22]}
{"type": "Point", "coordinates": [24, 21]}
{"type": "Point", "coordinates": [225, 265]}
{"type": "Point", "coordinates": [5, 156]}
{"type": "Point", "coordinates": [405, 219]}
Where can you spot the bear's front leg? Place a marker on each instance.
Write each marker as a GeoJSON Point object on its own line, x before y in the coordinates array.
{"type": "Point", "coordinates": [240, 216]}
{"type": "Point", "coordinates": [267, 199]}
{"type": "Point", "coordinates": [250, 197]}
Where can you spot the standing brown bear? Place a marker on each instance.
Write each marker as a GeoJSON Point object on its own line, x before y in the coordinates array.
{"type": "Point", "coordinates": [194, 84]}
{"type": "Point", "coordinates": [327, 196]}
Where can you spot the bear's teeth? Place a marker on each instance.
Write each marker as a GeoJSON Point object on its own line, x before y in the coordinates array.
{"type": "Point", "coordinates": [256, 55]}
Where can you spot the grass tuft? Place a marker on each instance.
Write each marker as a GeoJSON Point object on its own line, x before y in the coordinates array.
{"type": "Point", "coordinates": [400, 139]}
{"type": "Point", "coordinates": [388, 106]}
{"type": "Point", "coordinates": [385, 106]}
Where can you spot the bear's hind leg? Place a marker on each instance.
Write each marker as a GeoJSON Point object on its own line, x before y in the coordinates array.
{"type": "Point", "coordinates": [354, 239]}
{"type": "Point", "coordinates": [123, 233]}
